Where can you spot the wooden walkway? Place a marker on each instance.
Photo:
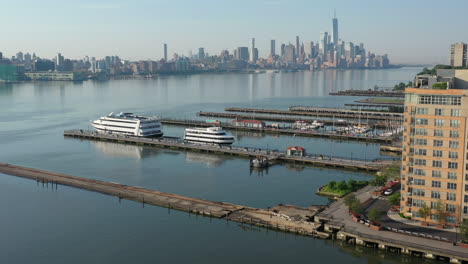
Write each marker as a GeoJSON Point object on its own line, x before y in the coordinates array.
{"type": "Point", "coordinates": [282, 131]}
{"type": "Point", "coordinates": [244, 152]}
{"type": "Point", "coordinates": [321, 112]}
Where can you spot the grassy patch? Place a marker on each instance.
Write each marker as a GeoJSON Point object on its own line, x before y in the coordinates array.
{"type": "Point", "coordinates": [342, 188]}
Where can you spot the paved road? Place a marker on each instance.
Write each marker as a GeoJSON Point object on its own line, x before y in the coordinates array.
{"type": "Point", "coordinates": [384, 206]}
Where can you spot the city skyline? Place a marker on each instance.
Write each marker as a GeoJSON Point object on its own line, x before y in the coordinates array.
{"type": "Point", "coordinates": [135, 32]}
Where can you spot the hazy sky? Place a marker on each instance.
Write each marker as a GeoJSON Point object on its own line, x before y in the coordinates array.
{"type": "Point", "coordinates": [409, 31]}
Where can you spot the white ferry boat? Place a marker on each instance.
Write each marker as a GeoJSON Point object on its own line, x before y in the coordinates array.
{"type": "Point", "coordinates": [129, 124]}
{"type": "Point", "coordinates": [208, 135]}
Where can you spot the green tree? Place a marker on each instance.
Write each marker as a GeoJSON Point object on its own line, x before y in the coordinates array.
{"type": "Point", "coordinates": [374, 215]}
{"type": "Point", "coordinates": [332, 185]}
{"type": "Point", "coordinates": [379, 180]}
{"type": "Point", "coordinates": [342, 186]}
{"type": "Point", "coordinates": [350, 199]}
{"type": "Point", "coordinates": [441, 212]}
{"type": "Point", "coordinates": [424, 212]}
{"type": "Point", "coordinates": [394, 199]}
{"type": "Point", "coordinates": [357, 207]}
{"type": "Point", "coordinates": [352, 184]}
{"type": "Point", "coordinates": [464, 229]}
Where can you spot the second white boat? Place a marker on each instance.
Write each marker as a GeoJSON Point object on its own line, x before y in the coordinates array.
{"type": "Point", "coordinates": [208, 135]}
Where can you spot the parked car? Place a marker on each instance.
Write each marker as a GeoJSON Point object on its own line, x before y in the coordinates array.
{"type": "Point", "coordinates": [388, 191]}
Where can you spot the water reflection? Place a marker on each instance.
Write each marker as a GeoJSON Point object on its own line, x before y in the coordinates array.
{"type": "Point", "coordinates": [210, 160]}
{"type": "Point", "coordinates": [6, 89]}
{"type": "Point", "coordinates": [117, 150]}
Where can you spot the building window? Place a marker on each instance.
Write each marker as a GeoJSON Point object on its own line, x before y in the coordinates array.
{"type": "Point", "coordinates": [454, 123]}
{"type": "Point", "coordinates": [436, 184]}
{"type": "Point", "coordinates": [451, 219]}
{"type": "Point", "coordinates": [438, 133]}
{"type": "Point", "coordinates": [439, 122]}
{"type": "Point", "coordinates": [453, 144]}
{"type": "Point", "coordinates": [418, 203]}
{"type": "Point", "coordinates": [451, 186]}
{"type": "Point", "coordinates": [419, 172]}
{"type": "Point", "coordinates": [436, 174]}
{"type": "Point", "coordinates": [466, 188]}
{"type": "Point", "coordinates": [421, 182]}
{"type": "Point", "coordinates": [439, 100]}
{"type": "Point", "coordinates": [454, 134]}
{"type": "Point", "coordinates": [455, 112]}
{"type": "Point", "coordinates": [421, 111]}
{"type": "Point", "coordinates": [438, 143]}
{"type": "Point", "coordinates": [451, 208]}
{"type": "Point", "coordinates": [421, 141]}
{"type": "Point", "coordinates": [418, 192]}
{"type": "Point", "coordinates": [434, 205]}
{"type": "Point", "coordinates": [437, 164]}
{"type": "Point", "coordinates": [421, 121]}
{"type": "Point", "coordinates": [439, 112]}
{"type": "Point", "coordinates": [451, 196]}
{"type": "Point", "coordinates": [453, 155]}
{"type": "Point", "coordinates": [420, 131]}
{"type": "Point", "coordinates": [453, 165]}
{"type": "Point", "coordinates": [437, 153]}
{"type": "Point", "coordinates": [452, 175]}
{"type": "Point", "coordinates": [421, 152]}
{"type": "Point", "coordinates": [420, 162]}
{"type": "Point", "coordinates": [435, 194]}
{"type": "Point", "coordinates": [465, 209]}
{"type": "Point", "coordinates": [466, 199]}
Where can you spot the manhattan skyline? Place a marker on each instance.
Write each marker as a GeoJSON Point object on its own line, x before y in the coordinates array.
{"type": "Point", "coordinates": [139, 30]}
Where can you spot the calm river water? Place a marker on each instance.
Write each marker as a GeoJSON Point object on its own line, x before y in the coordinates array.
{"type": "Point", "coordinates": [44, 225]}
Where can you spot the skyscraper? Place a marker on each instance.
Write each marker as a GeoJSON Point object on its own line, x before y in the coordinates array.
{"type": "Point", "coordinates": [298, 46]}
{"type": "Point", "coordinates": [289, 54]}
{"type": "Point", "coordinates": [19, 56]}
{"type": "Point", "coordinates": [458, 54]}
{"type": "Point", "coordinates": [323, 44]}
{"type": "Point", "coordinates": [201, 53]}
{"type": "Point", "coordinates": [165, 52]}
{"type": "Point", "coordinates": [59, 62]}
{"type": "Point", "coordinates": [272, 48]}
{"type": "Point", "coordinates": [335, 30]}
{"type": "Point", "coordinates": [243, 53]}
{"type": "Point", "coordinates": [252, 50]}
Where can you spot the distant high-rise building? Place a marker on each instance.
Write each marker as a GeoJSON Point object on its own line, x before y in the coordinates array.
{"type": "Point", "coordinates": [309, 49]}
{"type": "Point", "coordinates": [19, 56]}
{"type": "Point", "coordinates": [252, 50]}
{"type": "Point", "coordinates": [323, 44]}
{"type": "Point", "coordinates": [1, 56]}
{"type": "Point", "coordinates": [289, 54]}
{"type": "Point", "coordinates": [458, 55]}
{"type": "Point", "coordinates": [272, 48]}
{"type": "Point", "coordinates": [349, 50]}
{"type": "Point", "coordinates": [165, 52]}
{"type": "Point", "coordinates": [242, 53]}
{"type": "Point", "coordinates": [298, 46]}
{"type": "Point", "coordinates": [59, 62]}
{"type": "Point", "coordinates": [335, 30]}
{"type": "Point", "coordinates": [282, 49]}
{"type": "Point", "coordinates": [201, 53]}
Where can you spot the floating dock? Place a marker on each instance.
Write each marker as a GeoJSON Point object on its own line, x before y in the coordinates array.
{"type": "Point", "coordinates": [244, 152]}
{"type": "Point", "coordinates": [282, 131]}
{"type": "Point", "coordinates": [369, 93]}
{"type": "Point", "coordinates": [324, 112]}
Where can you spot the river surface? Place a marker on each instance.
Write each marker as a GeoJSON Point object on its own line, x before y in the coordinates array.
{"type": "Point", "coordinates": [44, 225]}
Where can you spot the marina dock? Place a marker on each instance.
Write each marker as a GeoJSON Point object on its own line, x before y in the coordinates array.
{"type": "Point", "coordinates": [321, 111]}
{"type": "Point", "coordinates": [281, 131]}
{"type": "Point", "coordinates": [286, 119]}
{"type": "Point", "coordinates": [372, 93]}
{"type": "Point", "coordinates": [242, 152]}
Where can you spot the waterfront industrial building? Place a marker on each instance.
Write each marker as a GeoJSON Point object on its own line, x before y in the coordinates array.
{"type": "Point", "coordinates": [435, 156]}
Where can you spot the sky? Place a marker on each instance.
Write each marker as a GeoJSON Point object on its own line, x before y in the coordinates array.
{"type": "Point", "coordinates": [409, 31]}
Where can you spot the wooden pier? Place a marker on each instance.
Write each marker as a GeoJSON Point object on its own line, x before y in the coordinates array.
{"type": "Point", "coordinates": [282, 131]}
{"type": "Point", "coordinates": [321, 112]}
{"type": "Point", "coordinates": [243, 152]}
{"type": "Point", "coordinates": [282, 217]}
{"type": "Point", "coordinates": [372, 93]}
